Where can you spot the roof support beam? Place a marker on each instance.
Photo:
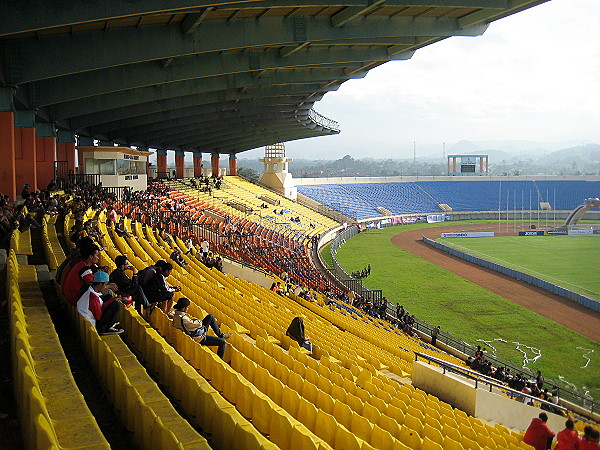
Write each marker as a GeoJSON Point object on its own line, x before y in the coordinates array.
{"type": "Point", "coordinates": [352, 12]}
{"type": "Point", "coordinates": [141, 124]}
{"type": "Point", "coordinates": [120, 78]}
{"type": "Point", "coordinates": [193, 20]}
{"type": "Point", "coordinates": [278, 95]}
{"type": "Point", "coordinates": [199, 86]}
{"type": "Point", "coordinates": [17, 17]}
{"type": "Point", "coordinates": [60, 55]}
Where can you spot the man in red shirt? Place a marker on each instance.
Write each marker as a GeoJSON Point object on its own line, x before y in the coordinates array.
{"type": "Point", "coordinates": [81, 274]}
{"type": "Point", "coordinates": [538, 435]}
{"type": "Point", "coordinates": [568, 439]}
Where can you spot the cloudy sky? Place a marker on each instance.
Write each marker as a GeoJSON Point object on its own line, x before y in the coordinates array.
{"type": "Point", "coordinates": [533, 76]}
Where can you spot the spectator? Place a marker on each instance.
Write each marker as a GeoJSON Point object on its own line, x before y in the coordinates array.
{"type": "Point", "coordinates": [197, 329]}
{"type": "Point", "coordinates": [590, 439]}
{"type": "Point", "coordinates": [126, 285]}
{"type": "Point", "coordinates": [434, 335]}
{"type": "Point", "coordinates": [296, 332]}
{"type": "Point", "coordinates": [538, 435]}
{"type": "Point", "coordinates": [204, 246]}
{"type": "Point", "coordinates": [101, 313]}
{"type": "Point", "coordinates": [81, 275]}
{"type": "Point", "coordinates": [158, 291]}
{"type": "Point", "coordinates": [539, 380]}
{"type": "Point", "coordinates": [567, 439]}
{"type": "Point", "coordinates": [177, 257]}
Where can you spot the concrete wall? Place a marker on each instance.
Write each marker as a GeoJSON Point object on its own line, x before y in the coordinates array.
{"type": "Point", "coordinates": [491, 406]}
{"type": "Point", "coordinates": [246, 273]}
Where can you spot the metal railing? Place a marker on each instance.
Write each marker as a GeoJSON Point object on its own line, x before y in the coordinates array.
{"type": "Point", "coordinates": [491, 382]}
{"type": "Point", "coordinates": [323, 121]}
{"type": "Point", "coordinates": [448, 339]}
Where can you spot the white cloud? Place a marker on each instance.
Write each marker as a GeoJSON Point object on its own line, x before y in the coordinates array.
{"type": "Point", "coordinates": [531, 76]}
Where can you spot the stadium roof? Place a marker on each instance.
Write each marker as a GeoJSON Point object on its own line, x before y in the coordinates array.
{"type": "Point", "coordinates": [212, 76]}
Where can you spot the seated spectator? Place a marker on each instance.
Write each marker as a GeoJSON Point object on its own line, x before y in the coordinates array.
{"type": "Point", "coordinates": [590, 439]}
{"type": "Point", "coordinates": [81, 274]}
{"type": "Point", "coordinates": [121, 231]}
{"type": "Point", "coordinates": [197, 329]}
{"type": "Point", "coordinates": [276, 287]}
{"type": "Point", "coordinates": [101, 313]}
{"type": "Point", "coordinates": [538, 435]}
{"type": "Point", "coordinates": [177, 257]}
{"type": "Point", "coordinates": [126, 285]}
{"type": "Point", "coordinates": [296, 332]}
{"type": "Point", "coordinates": [158, 291]}
{"type": "Point", "coordinates": [567, 439]}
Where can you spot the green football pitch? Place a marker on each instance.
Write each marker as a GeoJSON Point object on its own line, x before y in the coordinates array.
{"type": "Point", "coordinates": [572, 262]}
{"type": "Point", "coordinates": [474, 314]}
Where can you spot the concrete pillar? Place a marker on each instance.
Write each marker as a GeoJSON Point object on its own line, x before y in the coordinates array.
{"type": "Point", "coordinates": [180, 163]}
{"type": "Point", "coordinates": [197, 164]}
{"type": "Point", "coordinates": [233, 164]}
{"type": "Point", "coordinates": [7, 144]}
{"type": "Point", "coordinates": [25, 150]}
{"type": "Point", "coordinates": [487, 161]}
{"type": "Point", "coordinates": [161, 163]}
{"type": "Point", "coordinates": [454, 165]}
{"type": "Point", "coordinates": [65, 151]}
{"type": "Point", "coordinates": [45, 144]}
{"type": "Point", "coordinates": [448, 165]}
{"type": "Point", "coordinates": [480, 165]}
{"type": "Point", "coordinates": [214, 161]}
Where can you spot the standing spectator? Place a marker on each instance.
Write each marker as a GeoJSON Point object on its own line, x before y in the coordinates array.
{"type": "Point", "coordinates": [102, 314]}
{"type": "Point", "coordinates": [205, 246]}
{"type": "Point", "coordinates": [538, 435]}
{"type": "Point", "coordinates": [434, 334]}
{"type": "Point", "coordinates": [567, 439]}
{"type": "Point", "coordinates": [400, 311]}
{"type": "Point", "coordinates": [539, 379]}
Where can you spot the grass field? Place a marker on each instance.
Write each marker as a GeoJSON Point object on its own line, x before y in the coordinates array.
{"type": "Point", "coordinates": [572, 262]}
{"type": "Point", "coordinates": [471, 312]}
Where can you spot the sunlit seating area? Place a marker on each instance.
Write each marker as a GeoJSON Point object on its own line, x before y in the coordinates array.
{"type": "Point", "coordinates": [341, 396]}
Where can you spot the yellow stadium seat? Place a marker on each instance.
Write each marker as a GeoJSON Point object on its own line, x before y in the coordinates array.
{"type": "Point", "coordinates": [282, 427]}
{"type": "Point", "coordinates": [304, 439]}
{"type": "Point", "coordinates": [410, 438]}
{"type": "Point", "coordinates": [307, 414]}
{"type": "Point", "coordinates": [433, 434]}
{"type": "Point", "coordinates": [262, 411]}
{"type": "Point", "coordinates": [325, 402]}
{"type": "Point", "coordinates": [413, 423]}
{"type": "Point", "coordinates": [451, 444]}
{"type": "Point", "coordinates": [428, 444]}
{"type": "Point", "coordinates": [290, 400]}
{"type": "Point", "coordinates": [381, 439]}
{"type": "Point", "coordinates": [326, 427]}
{"type": "Point", "coordinates": [361, 427]}
{"type": "Point", "coordinates": [346, 440]}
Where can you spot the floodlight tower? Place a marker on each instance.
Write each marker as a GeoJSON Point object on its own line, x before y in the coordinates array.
{"type": "Point", "coordinates": [275, 172]}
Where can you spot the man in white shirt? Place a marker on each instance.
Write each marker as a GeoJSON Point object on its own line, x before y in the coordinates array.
{"type": "Point", "coordinates": [102, 314]}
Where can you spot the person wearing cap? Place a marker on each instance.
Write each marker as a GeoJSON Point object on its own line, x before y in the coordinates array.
{"type": "Point", "coordinates": [102, 313]}
{"type": "Point", "coordinates": [197, 329]}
